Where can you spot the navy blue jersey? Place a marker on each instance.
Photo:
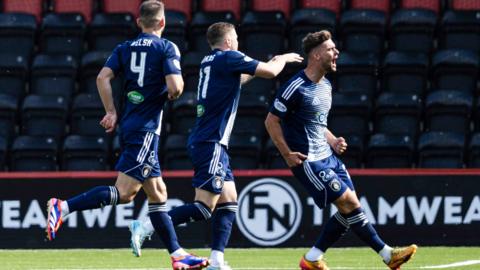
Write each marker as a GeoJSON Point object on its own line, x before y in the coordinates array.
{"type": "Point", "coordinates": [145, 61]}
{"type": "Point", "coordinates": [303, 107]}
{"type": "Point", "coordinates": [218, 94]}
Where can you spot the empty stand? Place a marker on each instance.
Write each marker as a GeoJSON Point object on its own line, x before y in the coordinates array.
{"type": "Point", "coordinates": [353, 157]}
{"type": "Point", "coordinates": [13, 75]}
{"type": "Point", "coordinates": [244, 151]}
{"type": "Point", "coordinates": [83, 7]}
{"type": "Point", "coordinates": [460, 30]}
{"type": "Point", "coordinates": [44, 116]}
{"type": "Point", "coordinates": [176, 155]}
{"type": "Point", "coordinates": [390, 151]}
{"type": "Point", "coordinates": [306, 21]}
{"type": "Point", "coordinates": [17, 34]}
{"type": "Point", "coordinates": [259, 86]}
{"type": "Point", "coordinates": [190, 68]}
{"type": "Point", "coordinates": [363, 31]}
{"type": "Point", "coordinates": [412, 30]}
{"type": "Point", "coordinates": [273, 158]}
{"type": "Point", "coordinates": [84, 153]}
{"type": "Point", "coordinates": [176, 29]}
{"type": "Point", "coordinates": [398, 113]}
{"type": "Point", "coordinates": [283, 6]}
{"type": "Point", "coordinates": [357, 73]}
{"type": "Point", "coordinates": [234, 6]}
{"type": "Point", "coordinates": [184, 113]}
{"type": "Point", "coordinates": [199, 25]}
{"type": "Point", "coordinates": [3, 153]}
{"type": "Point", "coordinates": [31, 153]}
{"type": "Point", "coordinates": [121, 6]}
{"type": "Point", "coordinates": [33, 7]}
{"type": "Point", "coordinates": [62, 34]}
{"type": "Point", "coordinates": [8, 116]}
{"type": "Point", "coordinates": [405, 72]}
{"type": "Point", "coordinates": [53, 75]}
{"type": "Point", "coordinates": [108, 30]}
{"type": "Point", "coordinates": [473, 152]}
{"type": "Point", "coordinates": [263, 27]}
{"type": "Point", "coordinates": [350, 114]}
{"type": "Point", "coordinates": [86, 113]}
{"type": "Point", "coordinates": [455, 69]}
{"type": "Point", "coordinates": [448, 110]}
{"type": "Point", "coordinates": [441, 150]}
{"type": "Point", "coordinates": [184, 6]}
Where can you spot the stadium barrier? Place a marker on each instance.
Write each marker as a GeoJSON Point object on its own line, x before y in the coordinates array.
{"type": "Point", "coordinates": [427, 207]}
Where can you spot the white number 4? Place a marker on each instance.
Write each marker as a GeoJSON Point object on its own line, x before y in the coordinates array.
{"type": "Point", "coordinates": [140, 69]}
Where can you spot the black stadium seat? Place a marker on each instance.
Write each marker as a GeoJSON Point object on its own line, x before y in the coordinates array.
{"type": "Point", "coordinates": [245, 151]}
{"type": "Point", "coordinates": [17, 34]}
{"type": "Point", "coordinates": [350, 114]}
{"type": "Point", "coordinates": [363, 31]}
{"type": "Point", "coordinates": [357, 73]}
{"type": "Point", "coordinates": [108, 30]}
{"type": "Point", "coordinates": [412, 24]}
{"type": "Point", "coordinates": [390, 151]}
{"type": "Point", "coordinates": [448, 110]}
{"type": "Point", "coordinates": [176, 155]}
{"type": "Point", "coordinates": [32, 153]}
{"type": "Point", "coordinates": [198, 28]}
{"type": "Point", "coordinates": [8, 116]}
{"type": "Point", "coordinates": [441, 150]}
{"type": "Point", "coordinates": [44, 116]}
{"type": "Point", "coordinates": [184, 113]}
{"type": "Point", "coordinates": [84, 153]}
{"type": "Point", "coordinates": [455, 69]}
{"type": "Point", "coordinates": [177, 28]}
{"type": "Point", "coordinates": [263, 27]}
{"type": "Point", "coordinates": [473, 153]}
{"type": "Point", "coordinates": [13, 75]}
{"type": "Point", "coordinates": [405, 72]}
{"type": "Point", "coordinates": [86, 113]}
{"type": "Point", "coordinates": [460, 30]}
{"type": "Point", "coordinates": [63, 34]}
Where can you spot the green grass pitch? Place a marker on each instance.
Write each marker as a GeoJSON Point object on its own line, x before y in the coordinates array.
{"type": "Point", "coordinates": [240, 259]}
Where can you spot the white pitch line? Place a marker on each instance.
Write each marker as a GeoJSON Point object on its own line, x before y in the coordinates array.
{"type": "Point", "coordinates": [464, 263]}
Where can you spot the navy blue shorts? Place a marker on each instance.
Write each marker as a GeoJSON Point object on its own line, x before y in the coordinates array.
{"type": "Point", "coordinates": [211, 166]}
{"type": "Point", "coordinates": [139, 157]}
{"type": "Point", "coordinates": [325, 179]}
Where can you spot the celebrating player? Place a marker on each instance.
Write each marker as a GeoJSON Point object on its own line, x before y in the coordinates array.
{"type": "Point", "coordinates": [221, 74]}
{"type": "Point", "coordinates": [151, 66]}
{"type": "Point", "coordinates": [297, 124]}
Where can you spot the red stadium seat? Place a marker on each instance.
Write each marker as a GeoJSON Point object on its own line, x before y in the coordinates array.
{"type": "Point", "coordinates": [466, 4]}
{"type": "Point", "coordinates": [84, 7]}
{"type": "Point", "coordinates": [272, 5]}
{"type": "Point", "coordinates": [184, 6]}
{"type": "Point", "coordinates": [333, 5]}
{"type": "Point", "coordinates": [380, 5]}
{"type": "Point", "coordinates": [433, 5]}
{"type": "Point", "coordinates": [33, 7]}
{"type": "Point", "coordinates": [234, 6]}
{"type": "Point", "coordinates": [121, 6]}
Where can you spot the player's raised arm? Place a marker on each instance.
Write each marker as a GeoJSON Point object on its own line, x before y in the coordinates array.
{"type": "Point", "coordinates": [273, 67]}
{"type": "Point", "coordinates": [105, 91]}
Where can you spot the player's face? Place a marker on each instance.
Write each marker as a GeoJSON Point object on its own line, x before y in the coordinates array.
{"type": "Point", "coordinates": [233, 40]}
{"type": "Point", "coordinates": [328, 56]}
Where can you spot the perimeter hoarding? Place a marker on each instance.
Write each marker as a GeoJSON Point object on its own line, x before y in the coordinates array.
{"type": "Point", "coordinates": [427, 207]}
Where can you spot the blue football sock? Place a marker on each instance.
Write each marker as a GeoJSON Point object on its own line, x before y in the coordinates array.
{"type": "Point", "coordinates": [222, 223]}
{"type": "Point", "coordinates": [163, 225]}
{"type": "Point", "coordinates": [94, 198]}
{"type": "Point", "coordinates": [333, 230]}
{"type": "Point", "coordinates": [363, 229]}
{"type": "Point", "coordinates": [190, 212]}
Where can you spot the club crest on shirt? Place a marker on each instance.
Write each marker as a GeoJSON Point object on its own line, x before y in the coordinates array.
{"type": "Point", "coordinates": [217, 182]}
{"type": "Point", "coordinates": [146, 170]}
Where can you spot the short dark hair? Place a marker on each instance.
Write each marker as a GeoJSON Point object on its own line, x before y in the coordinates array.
{"type": "Point", "coordinates": [312, 40]}
{"type": "Point", "coordinates": [217, 31]}
{"type": "Point", "coordinates": [148, 12]}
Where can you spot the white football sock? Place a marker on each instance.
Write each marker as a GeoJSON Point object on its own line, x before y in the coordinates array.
{"type": "Point", "coordinates": [217, 258]}
{"type": "Point", "coordinates": [386, 253]}
{"type": "Point", "coordinates": [314, 254]}
{"type": "Point", "coordinates": [179, 252]}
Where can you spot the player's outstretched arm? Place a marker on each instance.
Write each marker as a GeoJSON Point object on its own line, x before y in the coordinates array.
{"type": "Point", "coordinates": [174, 86]}
{"type": "Point", "coordinates": [338, 144]}
{"type": "Point", "coordinates": [105, 91]}
{"type": "Point", "coordinates": [272, 124]}
{"type": "Point", "coordinates": [273, 67]}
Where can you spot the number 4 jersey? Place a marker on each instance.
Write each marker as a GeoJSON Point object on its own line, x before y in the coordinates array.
{"type": "Point", "coordinates": [218, 94]}
{"type": "Point", "coordinates": [144, 61]}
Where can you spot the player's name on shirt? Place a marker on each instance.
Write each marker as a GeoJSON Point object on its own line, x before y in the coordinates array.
{"type": "Point", "coordinates": [208, 58]}
{"type": "Point", "coordinates": [142, 42]}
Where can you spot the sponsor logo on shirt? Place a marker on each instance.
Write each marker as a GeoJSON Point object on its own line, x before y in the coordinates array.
{"type": "Point", "coordinates": [135, 97]}
{"type": "Point", "coordinates": [200, 110]}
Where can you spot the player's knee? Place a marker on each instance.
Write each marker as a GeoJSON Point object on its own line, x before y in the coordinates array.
{"type": "Point", "coordinates": [126, 196]}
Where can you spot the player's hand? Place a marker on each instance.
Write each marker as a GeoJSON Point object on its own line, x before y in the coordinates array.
{"type": "Point", "coordinates": [339, 145]}
{"type": "Point", "coordinates": [294, 159]}
{"type": "Point", "coordinates": [172, 96]}
{"type": "Point", "coordinates": [292, 57]}
{"type": "Point", "coordinates": [109, 121]}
